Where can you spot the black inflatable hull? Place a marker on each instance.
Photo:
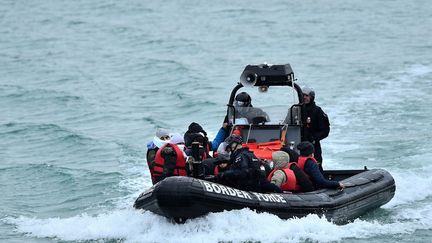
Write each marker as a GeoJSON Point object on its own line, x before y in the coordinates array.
{"type": "Point", "coordinates": [182, 198]}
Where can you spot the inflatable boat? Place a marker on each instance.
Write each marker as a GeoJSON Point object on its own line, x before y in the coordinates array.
{"type": "Point", "coordinates": [186, 197]}
{"type": "Point", "coordinates": [182, 198]}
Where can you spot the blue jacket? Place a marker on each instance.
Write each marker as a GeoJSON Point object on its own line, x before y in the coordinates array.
{"type": "Point", "coordinates": [311, 168]}
{"type": "Point", "coordinates": [220, 137]}
{"type": "Point", "coordinates": [151, 145]}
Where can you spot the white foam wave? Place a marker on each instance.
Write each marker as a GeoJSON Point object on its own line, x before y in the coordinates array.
{"type": "Point", "coordinates": [419, 70]}
{"type": "Point", "coordinates": [235, 226]}
{"type": "Point", "coordinates": [411, 186]}
{"type": "Point", "coordinates": [136, 181]}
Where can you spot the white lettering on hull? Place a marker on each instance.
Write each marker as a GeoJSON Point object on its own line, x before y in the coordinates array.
{"type": "Point", "coordinates": [233, 192]}
{"type": "Point", "coordinates": [269, 197]}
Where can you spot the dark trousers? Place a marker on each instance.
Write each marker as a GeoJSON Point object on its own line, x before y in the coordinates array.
{"type": "Point", "coordinates": [318, 155]}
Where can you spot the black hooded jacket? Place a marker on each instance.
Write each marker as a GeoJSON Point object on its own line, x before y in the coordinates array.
{"type": "Point", "coordinates": [244, 171]}
{"type": "Point", "coordinates": [317, 127]}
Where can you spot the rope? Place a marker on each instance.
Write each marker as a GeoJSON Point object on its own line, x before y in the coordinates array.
{"type": "Point", "coordinates": [250, 128]}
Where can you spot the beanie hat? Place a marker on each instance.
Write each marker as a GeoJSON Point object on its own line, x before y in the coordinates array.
{"type": "Point", "coordinates": [309, 91]}
{"type": "Point", "coordinates": [306, 148]}
{"type": "Point", "coordinates": [161, 133]}
{"type": "Point", "coordinates": [196, 128]}
{"type": "Point", "coordinates": [280, 159]}
{"type": "Point", "coordinates": [176, 138]}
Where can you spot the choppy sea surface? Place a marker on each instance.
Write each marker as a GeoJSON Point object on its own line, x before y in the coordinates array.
{"type": "Point", "coordinates": [85, 84]}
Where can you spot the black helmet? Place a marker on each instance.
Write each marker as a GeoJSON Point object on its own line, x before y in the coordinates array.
{"type": "Point", "coordinates": [243, 99]}
{"type": "Point", "coordinates": [233, 139]}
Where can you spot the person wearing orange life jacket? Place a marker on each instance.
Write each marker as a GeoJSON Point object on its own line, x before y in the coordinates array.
{"type": "Point", "coordinates": [309, 165]}
{"type": "Point", "coordinates": [170, 160]}
{"type": "Point", "coordinates": [161, 137]}
{"type": "Point", "coordinates": [168, 147]}
{"type": "Point", "coordinates": [281, 175]}
{"type": "Point", "coordinates": [287, 175]}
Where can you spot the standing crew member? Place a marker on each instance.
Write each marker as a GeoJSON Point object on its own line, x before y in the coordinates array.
{"type": "Point", "coordinates": [316, 125]}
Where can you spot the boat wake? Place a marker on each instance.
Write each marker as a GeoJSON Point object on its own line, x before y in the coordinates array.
{"type": "Point", "coordinates": [240, 225]}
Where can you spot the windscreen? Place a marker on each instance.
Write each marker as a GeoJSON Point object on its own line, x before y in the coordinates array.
{"type": "Point", "coordinates": [270, 107]}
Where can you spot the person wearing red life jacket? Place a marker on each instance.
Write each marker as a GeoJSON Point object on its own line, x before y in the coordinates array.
{"type": "Point", "coordinates": [161, 137]}
{"type": "Point", "coordinates": [287, 175]}
{"type": "Point", "coordinates": [281, 175]}
{"type": "Point", "coordinates": [169, 161]}
{"type": "Point", "coordinates": [309, 165]}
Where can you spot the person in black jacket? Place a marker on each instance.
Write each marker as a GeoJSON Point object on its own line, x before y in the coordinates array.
{"type": "Point", "coordinates": [196, 133]}
{"type": "Point", "coordinates": [316, 125]}
{"type": "Point", "coordinates": [244, 170]}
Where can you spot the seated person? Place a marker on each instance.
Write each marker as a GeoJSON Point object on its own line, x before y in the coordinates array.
{"type": "Point", "coordinates": [309, 165]}
{"type": "Point", "coordinates": [244, 170]}
{"type": "Point", "coordinates": [196, 133]}
{"type": "Point", "coordinates": [280, 162]}
{"type": "Point", "coordinates": [214, 166]}
{"type": "Point", "coordinates": [287, 175]}
{"type": "Point", "coordinates": [177, 139]}
{"type": "Point", "coordinates": [165, 156]}
{"type": "Point", "coordinates": [161, 137]}
{"type": "Point", "coordinates": [169, 161]}
{"type": "Point", "coordinates": [243, 109]}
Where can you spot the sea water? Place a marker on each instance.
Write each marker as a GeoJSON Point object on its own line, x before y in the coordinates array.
{"type": "Point", "coordinates": [85, 84]}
